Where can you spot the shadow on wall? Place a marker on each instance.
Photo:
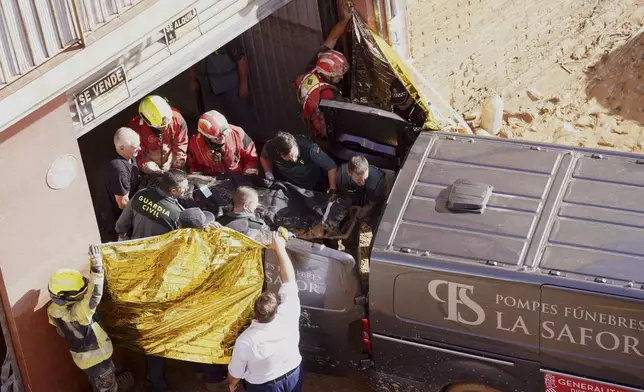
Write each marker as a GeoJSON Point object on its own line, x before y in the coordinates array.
{"type": "Point", "coordinates": [35, 331]}
{"type": "Point", "coordinates": [617, 80]}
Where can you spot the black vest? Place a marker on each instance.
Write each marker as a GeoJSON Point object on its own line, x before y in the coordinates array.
{"type": "Point", "coordinates": [154, 206]}
{"type": "Point", "coordinates": [243, 224]}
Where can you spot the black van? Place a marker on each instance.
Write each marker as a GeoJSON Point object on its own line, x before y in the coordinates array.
{"type": "Point", "coordinates": [538, 286]}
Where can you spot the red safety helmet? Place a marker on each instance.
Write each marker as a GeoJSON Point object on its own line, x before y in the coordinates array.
{"type": "Point", "coordinates": [332, 64]}
{"type": "Point", "coordinates": [213, 125]}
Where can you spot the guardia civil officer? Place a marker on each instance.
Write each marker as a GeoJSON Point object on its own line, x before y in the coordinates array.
{"type": "Point", "coordinates": [365, 184]}
{"type": "Point", "coordinates": [300, 161]}
{"type": "Point", "coordinates": [151, 212]}
{"type": "Point", "coordinates": [154, 211]}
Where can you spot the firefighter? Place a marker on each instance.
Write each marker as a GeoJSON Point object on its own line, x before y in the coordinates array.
{"type": "Point", "coordinates": [220, 148]}
{"type": "Point", "coordinates": [164, 136]}
{"type": "Point", "coordinates": [72, 312]}
{"type": "Point", "coordinates": [325, 70]}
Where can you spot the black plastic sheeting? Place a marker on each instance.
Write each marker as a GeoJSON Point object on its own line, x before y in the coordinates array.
{"type": "Point", "coordinates": [371, 73]}
{"type": "Point", "coordinates": [281, 203]}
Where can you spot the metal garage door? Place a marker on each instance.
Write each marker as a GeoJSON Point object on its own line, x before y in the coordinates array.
{"type": "Point", "coordinates": [278, 49]}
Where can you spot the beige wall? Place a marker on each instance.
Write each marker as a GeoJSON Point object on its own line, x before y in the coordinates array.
{"type": "Point", "coordinates": [41, 230]}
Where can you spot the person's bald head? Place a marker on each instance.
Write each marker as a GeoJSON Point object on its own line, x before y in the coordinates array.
{"type": "Point", "coordinates": [245, 199]}
{"type": "Point", "coordinates": [127, 142]}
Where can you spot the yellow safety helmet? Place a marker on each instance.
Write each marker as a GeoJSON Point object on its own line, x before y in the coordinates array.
{"type": "Point", "coordinates": [155, 111]}
{"type": "Point", "coordinates": [67, 284]}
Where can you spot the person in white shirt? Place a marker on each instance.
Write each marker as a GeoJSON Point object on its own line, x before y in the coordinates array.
{"type": "Point", "coordinates": [266, 355]}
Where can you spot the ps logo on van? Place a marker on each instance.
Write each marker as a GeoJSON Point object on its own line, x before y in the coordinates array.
{"type": "Point", "coordinates": [457, 294]}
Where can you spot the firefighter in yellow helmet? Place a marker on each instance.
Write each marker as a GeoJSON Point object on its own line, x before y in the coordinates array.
{"type": "Point", "coordinates": [72, 312]}
{"type": "Point", "coordinates": [164, 136]}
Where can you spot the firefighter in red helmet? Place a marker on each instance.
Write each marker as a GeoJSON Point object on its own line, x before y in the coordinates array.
{"type": "Point", "coordinates": [220, 148]}
{"type": "Point", "coordinates": [323, 72]}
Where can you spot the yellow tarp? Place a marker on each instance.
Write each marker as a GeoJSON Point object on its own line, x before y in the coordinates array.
{"type": "Point", "coordinates": [184, 295]}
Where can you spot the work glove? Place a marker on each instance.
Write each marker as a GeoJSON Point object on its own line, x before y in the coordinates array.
{"type": "Point", "coordinates": [95, 255]}
{"type": "Point", "coordinates": [287, 235]}
{"type": "Point", "coordinates": [269, 176]}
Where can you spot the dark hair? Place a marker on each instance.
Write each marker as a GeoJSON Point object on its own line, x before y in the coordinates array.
{"type": "Point", "coordinates": [172, 179]}
{"type": "Point", "coordinates": [266, 307]}
{"type": "Point", "coordinates": [284, 143]}
{"type": "Point", "coordinates": [358, 164]}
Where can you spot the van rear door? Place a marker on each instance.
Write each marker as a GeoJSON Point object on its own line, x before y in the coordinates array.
{"type": "Point", "coordinates": [593, 334]}
{"type": "Point", "coordinates": [333, 304]}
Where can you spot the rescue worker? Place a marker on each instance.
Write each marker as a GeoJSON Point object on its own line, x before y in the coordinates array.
{"type": "Point", "coordinates": [242, 218]}
{"type": "Point", "coordinates": [154, 211]}
{"type": "Point", "coordinates": [266, 355]}
{"type": "Point", "coordinates": [403, 104]}
{"type": "Point", "coordinates": [298, 160]}
{"type": "Point", "coordinates": [365, 184]}
{"type": "Point", "coordinates": [325, 70]}
{"type": "Point", "coordinates": [117, 183]}
{"type": "Point", "coordinates": [222, 79]}
{"type": "Point", "coordinates": [73, 310]}
{"type": "Point", "coordinates": [220, 148]}
{"type": "Point", "coordinates": [164, 136]}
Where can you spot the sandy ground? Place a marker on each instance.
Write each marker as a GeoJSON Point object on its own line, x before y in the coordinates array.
{"type": "Point", "coordinates": [591, 95]}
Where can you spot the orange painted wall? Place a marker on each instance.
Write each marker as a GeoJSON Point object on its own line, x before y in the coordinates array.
{"type": "Point", "coordinates": [41, 230]}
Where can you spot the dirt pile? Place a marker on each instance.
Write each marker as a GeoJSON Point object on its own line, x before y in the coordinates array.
{"type": "Point", "coordinates": [573, 75]}
{"type": "Point", "coordinates": [603, 106]}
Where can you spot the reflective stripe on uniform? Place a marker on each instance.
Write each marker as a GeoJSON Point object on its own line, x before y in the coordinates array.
{"type": "Point", "coordinates": [70, 326]}
{"type": "Point", "coordinates": [88, 359]}
{"type": "Point", "coordinates": [63, 283]}
{"type": "Point", "coordinates": [309, 84]}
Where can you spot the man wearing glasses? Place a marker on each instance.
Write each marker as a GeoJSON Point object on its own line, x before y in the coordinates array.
{"type": "Point", "coordinates": [164, 136]}
{"type": "Point", "coordinates": [220, 148]}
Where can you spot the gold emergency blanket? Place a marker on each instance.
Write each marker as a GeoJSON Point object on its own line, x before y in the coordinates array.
{"type": "Point", "coordinates": [185, 295]}
{"type": "Point", "coordinates": [375, 66]}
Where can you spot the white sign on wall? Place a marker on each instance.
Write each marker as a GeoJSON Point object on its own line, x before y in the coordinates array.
{"type": "Point", "coordinates": [181, 26]}
{"type": "Point", "coordinates": [102, 95]}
